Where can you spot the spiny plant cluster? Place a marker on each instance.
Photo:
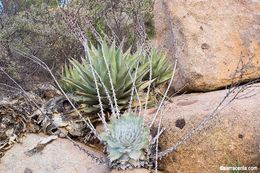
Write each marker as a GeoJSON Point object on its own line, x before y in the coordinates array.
{"type": "Point", "coordinates": [113, 69]}
{"type": "Point", "coordinates": [116, 71]}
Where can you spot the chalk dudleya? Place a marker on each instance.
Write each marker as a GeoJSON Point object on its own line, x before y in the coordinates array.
{"type": "Point", "coordinates": [127, 139]}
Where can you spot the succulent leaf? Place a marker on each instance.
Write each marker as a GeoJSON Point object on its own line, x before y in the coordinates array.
{"type": "Point", "coordinates": [161, 67]}
{"type": "Point", "coordinates": [127, 138]}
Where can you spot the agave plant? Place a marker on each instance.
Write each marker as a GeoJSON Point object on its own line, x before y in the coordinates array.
{"type": "Point", "coordinates": [161, 67]}
{"type": "Point", "coordinates": [110, 64]}
{"type": "Point", "coordinates": [127, 140]}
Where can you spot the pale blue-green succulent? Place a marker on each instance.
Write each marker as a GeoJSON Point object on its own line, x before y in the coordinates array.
{"type": "Point", "coordinates": [127, 139]}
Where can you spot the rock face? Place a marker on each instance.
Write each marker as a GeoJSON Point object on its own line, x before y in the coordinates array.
{"type": "Point", "coordinates": [233, 138]}
{"type": "Point", "coordinates": [217, 42]}
{"type": "Point", "coordinates": [58, 156]}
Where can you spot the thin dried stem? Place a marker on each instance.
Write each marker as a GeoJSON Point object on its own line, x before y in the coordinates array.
{"type": "Point", "coordinates": [165, 94]}
{"type": "Point", "coordinates": [107, 93]}
{"type": "Point", "coordinates": [157, 136]}
{"type": "Point", "coordinates": [134, 89]}
{"type": "Point", "coordinates": [79, 34]}
{"type": "Point", "coordinates": [93, 29]}
{"type": "Point", "coordinates": [9, 86]}
{"type": "Point", "coordinates": [111, 83]}
{"type": "Point", "coordinates": [115, 37]}
{"type": "Point", "coordinates": [85, 45]}
{"type": "Point", "coordinates": [45, 66]}
{"type": "Point", "coordinates": [19, 86]}
{"type": "Point", "coordinates": [149, 85]}
{"type": "Point", "coordinates": [157, 112]}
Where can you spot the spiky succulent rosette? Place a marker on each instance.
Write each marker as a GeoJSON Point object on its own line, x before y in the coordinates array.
{"type": "Point", "coordinates": [127, 140]}
{"type": "Point", "coordinates": [77, 77]}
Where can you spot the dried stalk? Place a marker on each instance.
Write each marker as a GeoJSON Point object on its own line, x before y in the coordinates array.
{"type": "Point", "coordinates": [78, 33]}
{"type": "Point", "coordinates": [149, 86]}
{"type": "Point", "coordinates": [107, 93]}
{"type": "Point", "coordinates": [112, 86]}
{"type": "Point", "coordinates": [157, 112]}
{"type": "Point", "coordinates": [134, 89]}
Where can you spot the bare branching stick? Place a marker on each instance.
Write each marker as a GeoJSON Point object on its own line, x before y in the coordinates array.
{"type": "Point", "coordinates": [251, 88]}
{"type": "Point", "coordinates": [178, 48]}
{"type": "Point", "coordinates": [114, 35]}
{"type": "Point", "coordinates": [97, 159]}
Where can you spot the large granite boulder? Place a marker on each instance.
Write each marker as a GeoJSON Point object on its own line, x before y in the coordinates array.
{"type": "Point", "coordinates": [232, 139]}
{"type": "Point", "coordinates": [217, 42]}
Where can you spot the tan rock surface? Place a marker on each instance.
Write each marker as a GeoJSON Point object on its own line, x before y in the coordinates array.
{"type": "Point", "coordinates": [233, 137]}
{"type": "Point", "coordinates": [59, 156]}
{"type": "Point", "coordinates": [219, 38]}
